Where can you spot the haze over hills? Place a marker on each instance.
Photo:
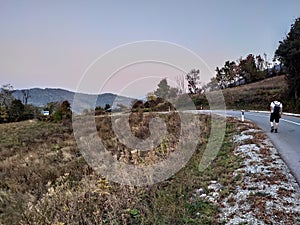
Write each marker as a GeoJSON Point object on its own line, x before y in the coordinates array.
{"type": "Point", "coordinates": [40, 97]}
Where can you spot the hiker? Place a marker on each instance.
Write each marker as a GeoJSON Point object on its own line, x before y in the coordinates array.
{"type": "Point", "coordinates": [276, 113]}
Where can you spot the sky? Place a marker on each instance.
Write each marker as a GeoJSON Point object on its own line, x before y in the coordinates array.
{"type": "Point", "coordinates": [68, 44]}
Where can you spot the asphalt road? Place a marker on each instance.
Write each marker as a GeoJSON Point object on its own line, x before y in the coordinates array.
{"type": "Point", "coordinates": [287, 140]}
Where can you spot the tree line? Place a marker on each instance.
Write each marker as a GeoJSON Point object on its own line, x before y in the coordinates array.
{"type": "Point", "coordinates": [15, 110]}
{"type": "Point", "coordinates": [11, 109]}
{"type": "Point", "coordinates": [247, 70]}
{"type": "Point", "coordinates": [255, 68]}
{"type": "Point", "coordinates": [244, 71]}
{"type": "Point", "coordinates": [288, 53]}
{"type": "Point", "coordinates": [234, 73]}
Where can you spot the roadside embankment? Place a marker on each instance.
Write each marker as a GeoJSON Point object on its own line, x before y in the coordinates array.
{"type": "Point", "coordinates": [265, 191]}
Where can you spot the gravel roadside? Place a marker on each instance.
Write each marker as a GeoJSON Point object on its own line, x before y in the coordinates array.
{"type": "Point", "coordinates": [267, 192]}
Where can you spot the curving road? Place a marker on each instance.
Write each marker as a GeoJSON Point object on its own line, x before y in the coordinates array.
{"type": "Point", "coordinates": [287, 140]}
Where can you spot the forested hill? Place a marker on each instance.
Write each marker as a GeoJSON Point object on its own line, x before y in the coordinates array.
{"type": "Point", "coordinates": [40, 97]}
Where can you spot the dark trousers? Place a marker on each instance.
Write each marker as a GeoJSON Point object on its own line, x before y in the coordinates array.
{"type": "Point", "coordinates": [274, 116]}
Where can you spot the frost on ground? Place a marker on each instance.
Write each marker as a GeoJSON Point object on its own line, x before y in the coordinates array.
{"type": "Point", "coordinates": [267, 192]}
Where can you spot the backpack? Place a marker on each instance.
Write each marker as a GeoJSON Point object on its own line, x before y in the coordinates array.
{"type": "Point", "coordinates": [276, 108]}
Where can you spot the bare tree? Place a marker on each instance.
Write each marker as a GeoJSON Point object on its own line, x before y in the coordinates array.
{"type": "Point", "coordinates": [26, 96]}
{"type": "Point", "coordinates": [6, 96]}
{"type": "Point", "coordinates": [180, 79]}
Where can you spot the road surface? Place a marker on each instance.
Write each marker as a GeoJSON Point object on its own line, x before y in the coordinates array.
{"type": "Point", "coordinates": [287, 140]}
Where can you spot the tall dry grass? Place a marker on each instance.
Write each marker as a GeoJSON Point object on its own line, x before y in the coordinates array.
{"type": "Point", "coordinates": [44, 178]}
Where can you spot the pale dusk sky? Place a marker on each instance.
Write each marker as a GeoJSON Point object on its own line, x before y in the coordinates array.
{"type": "Point", "coordinates": [52, 43]}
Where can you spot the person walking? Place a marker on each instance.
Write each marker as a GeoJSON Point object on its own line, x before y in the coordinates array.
{"type": "Point", "coordinates": [276, 113]}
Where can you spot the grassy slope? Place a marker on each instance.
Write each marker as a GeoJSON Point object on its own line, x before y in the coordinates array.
{"type": "Point", "coordinates": [45, 180]}
{"type": "Point", "coordinates": [256, 95]}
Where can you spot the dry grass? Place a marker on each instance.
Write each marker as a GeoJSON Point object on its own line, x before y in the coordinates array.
{"type": "Point", "coordinates": [139, 124]}
{"type": "Point", "coordinates": [270, 83]}
{"type": "Point", "coordinates": [45, 180]}
{"type": "Point", "coordinates": [256, 95]}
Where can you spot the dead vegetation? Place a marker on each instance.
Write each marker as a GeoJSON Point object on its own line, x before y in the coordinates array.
{"type": "Point", "coordinates": [44, 178]}
{"type": "Point", "coordinates": [256, 95]}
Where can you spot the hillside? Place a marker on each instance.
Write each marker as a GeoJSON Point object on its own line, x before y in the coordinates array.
{"type": "Point", "coordinates": [40, 97]}
{"type": "Point", "coordinates": [257, 95]}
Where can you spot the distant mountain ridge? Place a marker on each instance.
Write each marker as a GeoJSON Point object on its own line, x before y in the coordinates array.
{"type": "Point", "coordinates": [40, 97]}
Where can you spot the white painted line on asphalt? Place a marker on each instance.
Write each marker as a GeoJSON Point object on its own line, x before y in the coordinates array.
{"type": "Point", "coordinates": [284, 113]}
{"type": "Point", "coordinates": [252, 114]}
{"type": "Point", "coordinates": [289, 121]}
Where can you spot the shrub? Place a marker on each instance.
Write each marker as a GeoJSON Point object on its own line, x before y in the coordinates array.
{"type": "Point", "coordinates": [63, 112]}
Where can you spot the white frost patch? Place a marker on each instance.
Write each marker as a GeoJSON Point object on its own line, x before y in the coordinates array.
{"type": "Point", "coordinates": [242, 137]}
{"type": "Point", "coordinates": [251, 131]}
{"type": "Point", "coordinates": [213, 193]}
{"type": "Point", "coordinates": [267, 193]}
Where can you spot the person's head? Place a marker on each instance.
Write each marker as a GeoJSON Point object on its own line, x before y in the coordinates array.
{"type": "Point", "coordinates": [274, 98]}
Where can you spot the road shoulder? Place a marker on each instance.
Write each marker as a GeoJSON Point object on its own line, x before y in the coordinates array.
{"type": "Point", "coordinates": [266, 191]}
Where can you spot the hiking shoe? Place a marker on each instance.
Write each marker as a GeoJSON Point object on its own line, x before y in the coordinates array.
{"type": "Point", "coordinates": [276, 131]}
{"type": "Point", "coordinates": [272, 129]}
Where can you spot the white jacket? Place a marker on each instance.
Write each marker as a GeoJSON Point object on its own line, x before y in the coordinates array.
{"type": "Point", "coordinates": [272, 105]}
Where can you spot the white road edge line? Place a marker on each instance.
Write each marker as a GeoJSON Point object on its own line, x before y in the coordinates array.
{"type": "Point", "coordinates": [288, 121]}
